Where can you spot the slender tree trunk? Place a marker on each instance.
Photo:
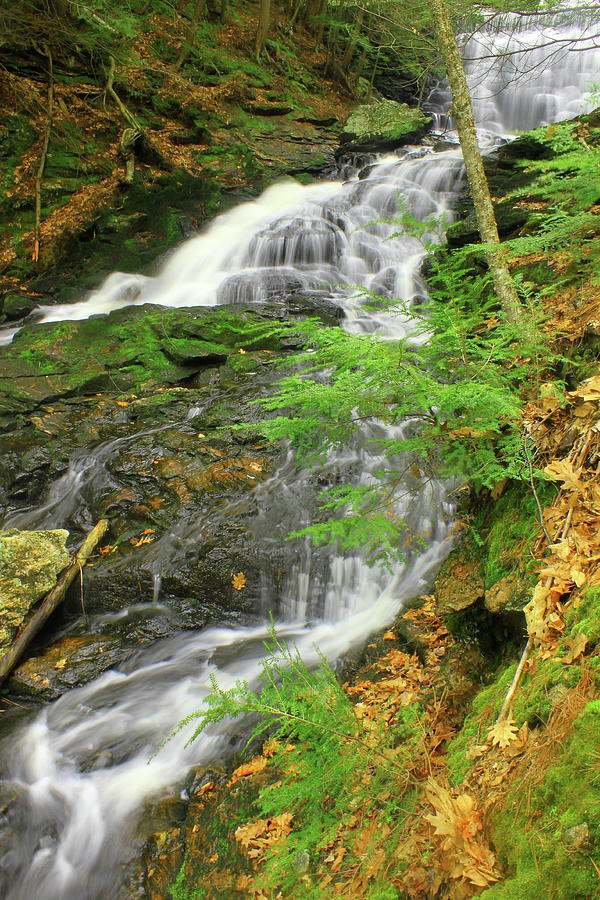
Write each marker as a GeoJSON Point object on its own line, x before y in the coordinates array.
{"type": "Point", "coordinates": [37, 228]}
{"type": "Point", "coordinates": [264, 21]}
{"type": "Point", "coordinates": [314, 16]}
{"type": "Point", "coordinates": [465, 123]}
{"type": "Point", "coordinates": [356, 30]}
{"type": "Point", "coordinates": [188, 45]}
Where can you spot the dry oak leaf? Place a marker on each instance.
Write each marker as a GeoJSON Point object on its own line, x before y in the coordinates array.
{"type": "Point", "coordinates": [575, 647]}
{"type": "Point", "coordinates": [256, 764]}
{"type": "Point", "coordinates": [589, 390]}
{"type": "Point", "coordinates": [502, 733]}
{"type": "Point", "coordinates": [238, 581]}
{"type": "Point", "coordinates": [256, 837]}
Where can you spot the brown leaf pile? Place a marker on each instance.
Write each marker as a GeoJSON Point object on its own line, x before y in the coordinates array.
{"type": "Point", "coordinates": [258, 837]}
{"type": "Point", "coordinates": [573, 520]}
{"type": "Point", "coordinates": [461, 850]}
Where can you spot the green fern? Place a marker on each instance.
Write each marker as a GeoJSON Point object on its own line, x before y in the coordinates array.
{"type": "Point", "coordinates": [323, 754]}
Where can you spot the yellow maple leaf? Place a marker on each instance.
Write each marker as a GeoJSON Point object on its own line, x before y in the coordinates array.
{"type": "Point", "coordinates": [563, 470]}
{"type": "Point", "coordinates": [146, 539]}
{"type": "Point", "coordinates": [238, 581]}
{"type": "Point", "coordinates": [502, 733]}
{"type": "Point", "coordinates": [60, 664]}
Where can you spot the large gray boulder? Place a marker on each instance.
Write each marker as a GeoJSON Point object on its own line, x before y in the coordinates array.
{"type": "Point", "coordinates": [30, 562]}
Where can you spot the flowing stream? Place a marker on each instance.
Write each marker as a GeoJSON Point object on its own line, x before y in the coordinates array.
{"type": "Point", "coordinates": [81, 765]}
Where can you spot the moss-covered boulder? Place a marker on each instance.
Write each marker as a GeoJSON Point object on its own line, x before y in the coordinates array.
{"type": "Point", "coordinates": [460, 582]}
{"type": "Point", "coordinates": [29, 564]}
{"type": "Point", "coordinates": [382, 125]}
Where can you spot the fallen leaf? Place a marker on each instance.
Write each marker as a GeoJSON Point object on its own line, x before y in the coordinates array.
{"type": "Point", "coordinates": [256, 764]}
{"type": "Point", "coordinates": [209, 786]}
{"type": "Point", "coordinates": [575, 647]}
{"type": "Point", "coordinates": [502, 733]}
{"type": "Point", "coordinates": [563, 470]}
{"type": "Point", "coordinates": [389, 636]}
{"type": "Point", "coordinates": [238, 581]}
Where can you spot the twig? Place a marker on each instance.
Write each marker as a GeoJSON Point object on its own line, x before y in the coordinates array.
{"type": "Point", "coordinates": [534, 492]}
{"type": "Point", "coordinates": [515, 682]}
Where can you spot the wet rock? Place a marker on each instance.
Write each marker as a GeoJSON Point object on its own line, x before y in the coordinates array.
{"type": "Point", "coordinates": [510, 594]}
{"type": "Point", "coordinates": [17, 306]}
{"type": "Point", "coordinates": [14, 817]}
{"type": "Point", "coordinates": [69, 663]}
{"type": "Point", "coordinates": [460, 581]}
{"type": "Point", "coordinates": [29, 564]}
{"type": "Point", "coordinates": [128, 350]}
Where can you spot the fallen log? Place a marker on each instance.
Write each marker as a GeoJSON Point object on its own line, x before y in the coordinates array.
{"type": "Point", "coordinates": [52, 600]}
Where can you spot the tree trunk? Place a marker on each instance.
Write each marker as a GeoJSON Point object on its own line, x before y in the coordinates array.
{"type": "Point", "coordinates": [354, 34]}
{"type": "Point", "coordinates": [188, 45]}
{"type": "Point", "coordinates": [37, 228]}
{"type": "Point", "coordinates": [264, 21]}
{"type": "Point", "coordinates": [465, 123]}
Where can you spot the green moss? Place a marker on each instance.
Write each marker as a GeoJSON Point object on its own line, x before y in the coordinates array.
{"type": "Point", "coordinates": [16, 135]}
{"type": "Point", "coordinates": [384, 120]}
{"type": "Point", "coordinates": [129, 350]}
{"type": "Point", "coordinates": [584, 616]}
{"type": "Point", "coordinates": [530, 836]}
{"type": "Point", "coordinates": [507, 530]}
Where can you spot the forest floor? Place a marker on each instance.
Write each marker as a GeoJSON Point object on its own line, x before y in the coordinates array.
{"type": "Point", "coordinates": [137, 160]}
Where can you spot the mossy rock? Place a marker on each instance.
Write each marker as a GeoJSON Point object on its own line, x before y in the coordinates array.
{"type": "Point", "coordinates": [382, 125]}
{"type": "Point", "coordinates": [460, 581]}
{"type": "Point", "coordinates": [30, 562]}
{"type": "Point", "coordinates": [129, 350]}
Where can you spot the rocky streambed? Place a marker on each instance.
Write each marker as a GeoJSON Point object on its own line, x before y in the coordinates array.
{"type": "Point", "coordinates": [135, 417]}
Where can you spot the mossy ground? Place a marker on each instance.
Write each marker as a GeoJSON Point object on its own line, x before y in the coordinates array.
{"type": "Point", "coordinates": [220, 125]}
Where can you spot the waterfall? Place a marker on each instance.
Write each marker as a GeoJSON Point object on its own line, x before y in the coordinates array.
{"type": "Point", "coordinates": [80, 768]}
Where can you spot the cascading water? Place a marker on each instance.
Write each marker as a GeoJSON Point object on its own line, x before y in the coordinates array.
{"type": "Point", "coordinates": [81, 766]}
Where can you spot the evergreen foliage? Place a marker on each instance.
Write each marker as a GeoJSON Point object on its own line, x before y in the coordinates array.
{"type": "Point", "coordinates": [319, 746]}
{"type": "Point", "coordinates": [456, 385]}
{"type": "Point", "coordinates": [567, 189]}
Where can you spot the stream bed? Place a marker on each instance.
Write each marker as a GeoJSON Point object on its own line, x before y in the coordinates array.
{"type": "Point", "coordinates": [78, 771]}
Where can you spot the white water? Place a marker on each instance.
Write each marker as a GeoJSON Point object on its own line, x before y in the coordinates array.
{"type": "Point", "coordinates": [82, 764]}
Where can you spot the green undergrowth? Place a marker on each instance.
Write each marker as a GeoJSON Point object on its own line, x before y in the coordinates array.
{"type": "Point", "coordinates": [563, 183]}
{"type": "Point", "coordinates": [328, 770]}
{"type": "Point", "coordinates": [507, 529]}
{"type": "Point", "coordinates": [548, 836]}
